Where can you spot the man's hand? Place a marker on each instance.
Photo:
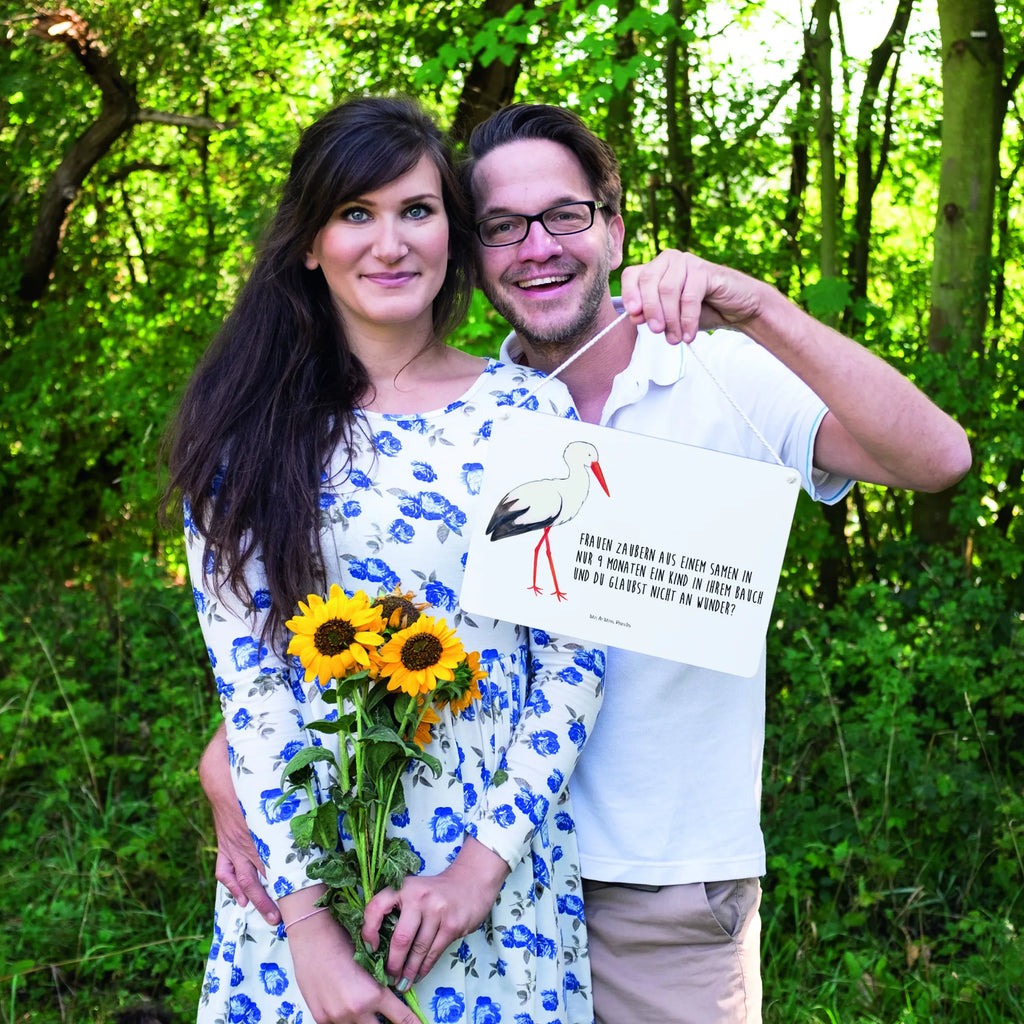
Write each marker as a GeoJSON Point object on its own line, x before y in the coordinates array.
{"type": "Point", "coordinates": [238, 864]}
{"type": "Point", "coordinates": [680, 293]}
{"type": "Point", "coordinates": [435, 910]}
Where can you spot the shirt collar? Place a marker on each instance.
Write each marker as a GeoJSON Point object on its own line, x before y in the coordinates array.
{"type": "Point", "coordinates": [653, 358]}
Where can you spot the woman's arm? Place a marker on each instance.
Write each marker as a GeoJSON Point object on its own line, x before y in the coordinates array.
{"type": "Point", "coordinates": [238, 866]}
{"type": "Point", "coordinates": [564, 696]}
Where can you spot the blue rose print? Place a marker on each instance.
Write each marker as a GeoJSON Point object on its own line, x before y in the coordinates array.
{"type": "Point", "coordinates": [274, 811]}
{"type": "Point", "coordinates": [237, 977]}
{"type": "Point", "coordinates": [387, 444]}
{"type": "Point", "coordinates": [486, 1011]}
{"type": "Point", "coordinates": [415, 424]}
{"type": "Point", "coordinates": [247, 652]}
{"type": "Point", "coordinates": [533, 805]}
{"type": "Point", "coordinates": [351, 509]}
{"type": "Point", "coordinates": [242, 1010]}
{"type": "Point", "coordinates": [590, 660]}
{"type": "Point", "coordinates": [484, 433]}
{"type": "Point", "coordinates": [327, 500]}
{"type": "Point", "coordinates": [241, 718]}
{"type": "Point", "coordinates": [546, 948]}
{"type": "Point", "coordinates": [549, 999]}
{"type": "Point", "coordinates": [472, 476]}
{"type": "Point", "coordinates": [401, 531]}
{"type": "Point", "coordinates": [282, 887]}
{"type": "Point", "coordinates": [424, 472]}
{"type": "Point", "coordinates": [441, 596]}
{"type": "Point", "coordinates": [199, 599]}
{"type": "Point", "coordinates": [289, 750]}
{"type": "Point", "coordinates": [538, 701]}
{"type": "Point", "coordinates": [261, 600]}
{"type": "Point", "coordinates": [446, 825]}
{"type": "Point", "coordinates": [555, 780]}
{"type": "Point", "coordinates": [519, 937]}
{"type": "Point", "coordinates": [374, 570]}
{"type": "Point", "coordinates": [564, 822]}
{"type": "Point", "coordinates": [274, 979]}
{"type": "Point", "coordinates": [540, 637]}
{"type": "Point", "coordinates": [357, 478]}
{"type": "Point", "coordinates": [545, 742]}
{"type": "Point", "coordinates": [571, 905]}
{"type": "Point", "coordinates": [572, 983]}
{"type": "Point", "coordinates": [541, 874]}
{"type": "Point", "coordinates": [504, 815]}
{"type": "Point", "coordinates": [573, 676]}
{"type": "Point", "coordinates": [448, 1005]}
{"type": "Point", "coordinates": [433, 505]}
{"type": "Point", "coordinates": [578, 734]}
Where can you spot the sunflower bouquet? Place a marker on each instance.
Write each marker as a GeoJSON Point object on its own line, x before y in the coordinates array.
{"type": "Point", "coordinates": [390, 669]}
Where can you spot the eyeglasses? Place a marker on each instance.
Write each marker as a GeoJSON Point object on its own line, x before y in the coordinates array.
{"type": "Point", "coordinates": [564, 219]}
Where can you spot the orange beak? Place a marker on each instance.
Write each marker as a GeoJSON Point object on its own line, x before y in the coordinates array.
{"type": "Point", "coordinates": [595, 468]}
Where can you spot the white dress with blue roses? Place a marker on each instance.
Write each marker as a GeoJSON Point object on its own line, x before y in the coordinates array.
{"type": "Point", "coordinates": [402, 516]}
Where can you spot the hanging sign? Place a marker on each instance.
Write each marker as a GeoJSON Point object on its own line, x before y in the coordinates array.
{"type": "Point", "coordinates": [629, 541]}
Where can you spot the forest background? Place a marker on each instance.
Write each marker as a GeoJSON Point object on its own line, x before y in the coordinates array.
{"type": "Point", "coordinates": [865, 157]}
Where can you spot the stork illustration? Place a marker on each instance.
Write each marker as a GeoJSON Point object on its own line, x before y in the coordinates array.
{"type": "Point", "coordinates": [544, 504]}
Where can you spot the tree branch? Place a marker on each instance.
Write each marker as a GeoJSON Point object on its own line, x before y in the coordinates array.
{"type": "Point", "coordinates": [207, 124]}
{"type": "Point", "coordinates": [119, 112]}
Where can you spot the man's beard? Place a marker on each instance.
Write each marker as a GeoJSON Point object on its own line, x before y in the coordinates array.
{"type": "Point", "coordinates": [567, 336]}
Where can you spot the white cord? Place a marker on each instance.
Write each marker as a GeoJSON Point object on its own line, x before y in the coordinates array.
{"type": "Point", "coordinates": [690, 349]}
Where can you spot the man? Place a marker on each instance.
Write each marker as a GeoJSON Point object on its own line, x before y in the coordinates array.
{"type": "Point", "coordinates": [671, 852]}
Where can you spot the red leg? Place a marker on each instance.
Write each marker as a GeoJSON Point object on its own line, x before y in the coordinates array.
{"type": "Point", "coordinates": [558, 593]}
{"type": "Point", "coordinates": [536, 555]}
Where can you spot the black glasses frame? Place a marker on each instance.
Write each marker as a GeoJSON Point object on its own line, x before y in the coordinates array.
{"type": "Point", "coordinates": [591, 204]}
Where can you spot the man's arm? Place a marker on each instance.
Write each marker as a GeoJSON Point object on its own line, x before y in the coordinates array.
{"type": "Point", "coordinates": [880, 427]}
{"type": "Point", "coordinates": [238, 864]}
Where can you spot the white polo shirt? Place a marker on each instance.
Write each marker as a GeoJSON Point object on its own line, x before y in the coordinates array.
{"type": "Point", "coordinates": [668, 788]}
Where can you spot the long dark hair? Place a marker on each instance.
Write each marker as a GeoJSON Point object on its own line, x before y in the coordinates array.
{"type": "Point", "coordinates": [275, 394]}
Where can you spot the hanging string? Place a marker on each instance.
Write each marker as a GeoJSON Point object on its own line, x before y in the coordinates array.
{"type": "Point", "coordinates": [690, 350]}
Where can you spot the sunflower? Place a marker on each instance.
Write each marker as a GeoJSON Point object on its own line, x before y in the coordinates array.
{"type": "Point", "coordinates": [399, 610]}
{"type": "Point", "coordinates": [423, 731]}
{"type": "Point", "coordinates": [331, 637]}
{"type": "Point", "coordinates": [472, 691]}
{"type": "Point", "coordinates": [417, 657]}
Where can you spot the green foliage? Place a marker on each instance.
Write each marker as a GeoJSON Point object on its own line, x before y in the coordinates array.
{"type": "Point", "coordinates": [892, 767]}
{"type": "Point", "coordinates": [105, 704]}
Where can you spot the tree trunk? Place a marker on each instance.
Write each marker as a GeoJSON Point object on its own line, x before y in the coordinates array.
{"type": "Point", "coordinates": [973, 107]}
{"type": "Point", "coordinates": [486, 89]}
{"type": "Point", "coordinates": [679, 132]}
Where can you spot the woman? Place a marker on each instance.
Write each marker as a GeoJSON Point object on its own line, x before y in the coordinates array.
{"type": "Point", "coordinates": [330, 436]}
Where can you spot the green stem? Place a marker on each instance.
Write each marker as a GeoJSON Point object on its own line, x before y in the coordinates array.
{"type": "Point", "coordinates": [359, 833]}
{"type": "Point", "coordinates": [414, 1004]}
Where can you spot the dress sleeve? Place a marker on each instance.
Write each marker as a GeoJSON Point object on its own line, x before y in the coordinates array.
{"type": "Point", "coordinates": [264, 708]}
{"type": "Point", "coordinates": [566, 684]}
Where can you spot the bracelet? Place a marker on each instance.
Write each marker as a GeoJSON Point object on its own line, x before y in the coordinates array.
{"type": "Point", "coordinates": [312, 913]}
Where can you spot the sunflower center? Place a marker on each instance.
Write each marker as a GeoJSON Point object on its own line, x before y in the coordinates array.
{"type": "Point", "coordinates": [334, 636]}
{"type": "Point", "coordinates": [391, 603]}
{"type": "Point", "coordinates": [421, 651]}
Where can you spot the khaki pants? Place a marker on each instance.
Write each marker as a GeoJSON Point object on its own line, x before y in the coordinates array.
{"type": "Point", "coordinates": [675, 954]}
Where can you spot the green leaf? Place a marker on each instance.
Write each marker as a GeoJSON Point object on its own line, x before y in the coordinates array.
{"type": "Point", "coordinates": [828, 297]}
{"type": "Point", "coordinates": [302, 826]}
{"type": "Point", "coordinates": [325, 827]}
{"type": "Point", "coordinates": [299, 770]}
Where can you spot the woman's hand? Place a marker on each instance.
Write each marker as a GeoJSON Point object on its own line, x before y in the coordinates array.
{"type": "Point", "coordinates": [435, 910]}
{"type": "Point", "coordinates": [336, 989]}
